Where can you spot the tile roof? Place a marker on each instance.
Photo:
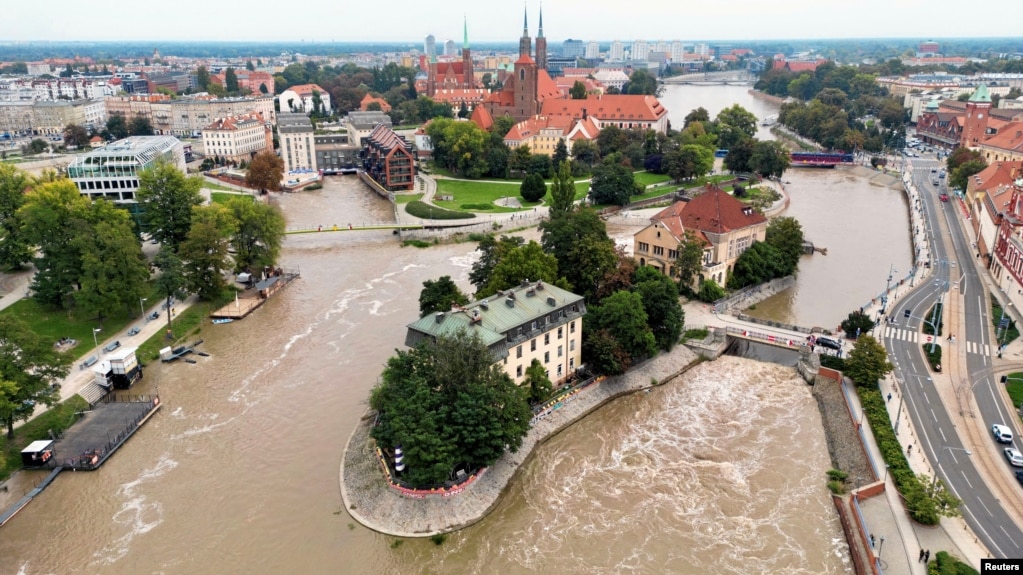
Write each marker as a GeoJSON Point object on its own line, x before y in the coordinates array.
{"type": "Point", "coordinates": [715, 211]}
{"type": "Point", "coordinates": [384, 138]}
{"type": "Point", "coordinates": [997, 174]}
{"type": "Point", "coordinates": [307, 89]}
{"type": "Point", "coordinates": [608, 107]}
{"type": "Point", "coordinates": [482, 118]}
{"type": "Point", "coordinates": [1009, 138]}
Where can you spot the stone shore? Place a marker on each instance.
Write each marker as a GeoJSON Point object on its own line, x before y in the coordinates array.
{"type": "Point", "coordinates": [370, 501]}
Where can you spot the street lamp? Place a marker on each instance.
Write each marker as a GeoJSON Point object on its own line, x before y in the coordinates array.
{"type": "Point", "coordinates": [94, 332]}
{"type": "Point", "coordinates": [142, 310]}
{"type": "Point", "coordinates": [1001, 322]}
{"type": "Point", "coordinates": [880, 547]}
{"type": "Point", "coordinates": [934, 481]}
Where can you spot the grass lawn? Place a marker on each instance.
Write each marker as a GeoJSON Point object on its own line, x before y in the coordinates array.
{"type": "Point", "coordinates": [59, 418]}
{"type": "Point", "coordinates": [222, 197]}
{"type": "Point", "coordinates": [211, 185]}
{"type": "Point", "coordinates": [1014, 386]}
{"type": "Point", "coordinates": [406, 198]}
{"type": "Point", "coordinates": [647, 178]}
{"type": "Point", "coordinates": [466, 193]}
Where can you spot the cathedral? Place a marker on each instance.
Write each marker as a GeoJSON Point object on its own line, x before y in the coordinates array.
{"type": "Point", "coordinates": [528, 86]}
{"type": "Point", "coordinates": [452, 75]}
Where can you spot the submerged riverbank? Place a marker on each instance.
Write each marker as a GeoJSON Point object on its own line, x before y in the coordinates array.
{"type": "Point", "coordinates": [369, 499]}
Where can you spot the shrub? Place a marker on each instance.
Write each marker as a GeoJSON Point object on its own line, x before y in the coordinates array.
{"type": "Point", "coordinates": [832, 362]}
{"type": "Point", "coordinates": [476, 207]}
{"type": "Point", "coordinates": [934, 312]}
{"type": "Point", "coordinates": [416, 243]}
{"type": "Point", "coordinates": [933, 357]}
{"type": "Point", "coordinates": [439, 538]}
{"type": "Point", "coordinates": [710, 291]}
{"type": "Point", "coordinates": [423, 210]}
{"type": "Point", "coordinates": [857, 323]}
{"type": "Point", "coordinates": [696, 334]}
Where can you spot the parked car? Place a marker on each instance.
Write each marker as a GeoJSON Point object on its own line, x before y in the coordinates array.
{"type": "Point", "coordinates": [1014, 456]}
{"type": "Point", "coordinates": [1001, 433]}
{"type": "Point", "coordinates": [829, 343]}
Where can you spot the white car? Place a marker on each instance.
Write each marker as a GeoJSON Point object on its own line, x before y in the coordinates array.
{"type": "Point", "coordinates": [1014, 456]}
{"type": "Point", "coordinates": [1001, 433]}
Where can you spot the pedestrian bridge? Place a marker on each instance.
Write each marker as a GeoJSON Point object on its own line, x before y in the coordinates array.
{"type": "Point", "coordinates": [787, 342]}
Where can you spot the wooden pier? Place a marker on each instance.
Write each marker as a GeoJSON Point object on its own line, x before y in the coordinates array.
{"type": "Point", "coordinates": [256, 296]}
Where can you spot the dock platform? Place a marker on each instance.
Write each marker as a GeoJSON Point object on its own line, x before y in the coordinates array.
{"type": "Point", "coordinates": [90, 442]}
{"type": "Point", "coordinates": [255, 297]}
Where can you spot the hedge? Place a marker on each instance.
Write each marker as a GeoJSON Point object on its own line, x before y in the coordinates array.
{"type": "Point", "coordinates": [423, 210]}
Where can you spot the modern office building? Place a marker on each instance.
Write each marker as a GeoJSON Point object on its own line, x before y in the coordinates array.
{"type": "Point", "coordinates": [297, 146]}
{"type": "Point", "coordinates": [112, 172]}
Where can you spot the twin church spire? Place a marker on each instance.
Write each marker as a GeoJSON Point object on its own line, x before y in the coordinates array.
{"type": "Point", "coordinates": [526, 44]}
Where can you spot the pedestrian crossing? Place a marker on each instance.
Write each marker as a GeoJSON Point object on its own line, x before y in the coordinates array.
{"type": "Point", "coordinates": [913, 336]}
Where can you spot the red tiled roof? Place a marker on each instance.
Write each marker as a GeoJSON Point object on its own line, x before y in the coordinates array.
{"type": "Point", "coordinates": [622, 107]}
{"type": "Point", "coordinates": [714, 211]}
{"type": "Point", "coordinates": [1009, 138]}
{"type": "Point", "coordinates": [525, 59]}
{"type": "Point", "coordinates": [306, 89]}
{"type": "Point", "coordinates": [532, 126]}
{"type": "Point", "coordinates": [369, 99]}
{"type": "Point", "coordinates": [997, 174]}
{"type": "Point", "coordinates": [482, 118]}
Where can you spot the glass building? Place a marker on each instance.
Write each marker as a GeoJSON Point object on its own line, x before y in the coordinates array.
{"type": "Point", "coordinates": [111, 172]}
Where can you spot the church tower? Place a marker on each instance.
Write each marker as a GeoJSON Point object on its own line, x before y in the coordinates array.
{"type": "Point", "coordinates": [525, 43]}
{"type": "Point", "coordinates": [541, 45]}
{"type": "Point", "coordinates": [431, 77]}
{"type": "Point", "coordinates": [468, 80]}
{"type": "Point", "coordinates": [975, 125]}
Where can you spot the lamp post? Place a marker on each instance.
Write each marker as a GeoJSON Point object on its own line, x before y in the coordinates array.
{"type": "Point", "coordinates": [880, 547]}
{"type": "Point", "coordinates": [142, 310]}
{"type": "Point", "coordinates": [95, 330]}
{"type": "Point", "coordinates": [1002, 321]}
{"type": "Point", "coordinates": [934, 481]}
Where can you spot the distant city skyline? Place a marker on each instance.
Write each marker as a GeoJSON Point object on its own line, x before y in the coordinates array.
{"type": "Point", "coordinates": [409, 21]}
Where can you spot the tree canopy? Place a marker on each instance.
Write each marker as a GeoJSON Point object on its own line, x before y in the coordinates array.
{"type": "Point", "coordinates": [258, 234]}
{"type": "Point", "coordinates": [660, 301]}
{"type": "Point", "coordinates": [166, 198]}
{"type": "Point", "coordinates": [266, 171]}
{"type": "Point", "coordinates": [612, 184]}
{"type": "Point", "coordinates": [440, 295]}
{"type": "Point", "coordinates": [445, 404]}
{"type": "Point", "coordinates": [533, 188]}
{"type": "Point", "coordinates": [29, 367]}
{"type": "Point", "coordinates": [628, 335]}
{"type": "Point", "coordinates": [204, 251]}
{"type": "Point", "coordinates": [527, 262]}
{"type": "Point", "coordinates": [786, 235]}
{"type": "Point", "coordinates": [14, 249]}
{"type": "Point", "coordinates": [867, 362]}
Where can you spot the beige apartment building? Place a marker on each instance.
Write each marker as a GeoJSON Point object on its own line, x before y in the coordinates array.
{"type": "Point", "coordinates": [726, 226]}
{"type": "Point", "coordinates": [531, 321]}
{"type": "Point", "coordinates": [186, 117]}
{"type": "Point", "coordinates": [237, 138]}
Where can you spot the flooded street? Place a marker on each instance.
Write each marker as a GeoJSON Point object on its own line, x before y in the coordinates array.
{"type": "Point", "coordinates": [720, 471]}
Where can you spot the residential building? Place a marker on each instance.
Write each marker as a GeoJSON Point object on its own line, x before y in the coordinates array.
{"type": "Point", "coordinates": [1007, 264]}
{"type": "Point", "coordinates": [542, 133]}
{"type": "Point", "coordinates": [257, 82]}
{"type": "Point", "coordinates": [387, 158]}
{"type": "Point", "coordinates": [617, 52]}
{"type": "Point", "coordinates": [1004, 146]}
{"type": "Point", "coordinates": [430, 46]}
{"type": "Point", "coordinates": [592, 51]}
{"type": "Point", "coordinates": [531, 321]}
{"type": "Point", "coordinates": [676, 51]}
{"type": "Point", "coordinates": [449, 48]}
{"type": "Point", "coordinates": [360, 125]}
{"type": "Point", "coordinates": [640, 50]}
{"type": "Point", "coordinates": [112, 171]}
{"type": "Point", "coordinates": [237, 138]}
{"type": "Point", "coordinates": [611, 77]}
{"type": "Point", "coordinates": [987, 195]}
{"type": "Point", "coordinates": [927, 48]}
{"type": "Point", "coordinates": [724, 225]}
{"type": "Point", "coordinates": [303, 98]}
{"type": "Point", "coordinates": [370, 99]}
{"type": "Point", "coordinates": [297, 148]}
{"type": "Point", "coordinates": [16, 117]}
{"type": "Point", "coordinates": [335, 153]}
{"type": "Point", "coordinates": [50, 118]}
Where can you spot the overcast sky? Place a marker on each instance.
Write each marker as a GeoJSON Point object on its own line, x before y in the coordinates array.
{"type": "Point", "coordinates": [490, 21]}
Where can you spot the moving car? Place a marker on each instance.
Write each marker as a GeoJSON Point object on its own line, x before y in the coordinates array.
{"type": "Point", "coordinates": [1001, 433]}
{"type": "Point", "coordinates": [943, 197]}
{"type": "Point", "coordinates": [829, 343]}
{"type": "Point", "coordinates": [1014, 456]}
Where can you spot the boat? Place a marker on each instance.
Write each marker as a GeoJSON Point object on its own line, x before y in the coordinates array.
{"type": "Point", "coordinates": [223, 320]}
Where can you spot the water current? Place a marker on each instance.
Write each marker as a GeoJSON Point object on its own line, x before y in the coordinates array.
{"type": "Point", "coordinates": [720, 471]}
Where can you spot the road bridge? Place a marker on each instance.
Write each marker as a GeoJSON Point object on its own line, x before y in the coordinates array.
{"type": "Point", "coordinates": [729, 77]}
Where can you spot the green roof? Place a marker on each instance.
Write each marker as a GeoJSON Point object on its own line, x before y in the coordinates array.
{"type": "Point", "coordinates": [495, 317]}
{"type": "Point", "coordinates": [981, 94]}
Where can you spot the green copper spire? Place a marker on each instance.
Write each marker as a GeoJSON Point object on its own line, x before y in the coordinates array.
{"type": "Point", "coordinates": [981, 95]}
{"type": "Point", "coordinates": [465, 32]}
{"type": "Point", "coordinates": [539, 33]}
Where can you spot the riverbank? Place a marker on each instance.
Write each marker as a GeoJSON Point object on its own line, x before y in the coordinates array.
{"type": "Point", "coordinates": [370, 501]}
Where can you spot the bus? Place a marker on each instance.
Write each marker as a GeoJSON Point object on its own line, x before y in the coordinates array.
{"type": "Point", "coordinates": [720, 153]}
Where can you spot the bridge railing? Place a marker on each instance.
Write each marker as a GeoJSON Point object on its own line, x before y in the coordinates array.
{"type": "Point", "coordinates": [779, 340]}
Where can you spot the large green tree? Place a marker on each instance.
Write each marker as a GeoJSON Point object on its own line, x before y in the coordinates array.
{"type": "Point", "coordinates": [689, 261]}
{"type": "Point", "coordinates": [786, 235]}
{"type": "Point", "coordinates": [622, 315]}
{"type": "Point", "coordinates": [528, 262]}
{"type": "Point", "coordinates": [492, 251]}
{"type": "Point", "coordinates": [533, 188]}
{"type": "Point", "coordinates": [51, 219]}
{"type": "Point", "coordinates": [579, 242]}
{"type": "Point", "coordinates": [641, 82]}
{"type": "Point", "coordinates": [202, 77]}
{"type": "Point", "coordinates": [578, 91]}
{"type": "Point", "coordinates": [688, 162]}
{"type": "Point", "coordinates": [612, 184]}
{"type": "Point", "coordinates": [114, 271]}
{"type": "Point", "coordinates": [440, 295]}
{"type": "Point", "coordinates": [758, 264]}
{"type": "Point", "coordinates": [171, 283]}
{"type": "Point", "coordinates": [230, 81]}
{"type": "Point", "coordinates": [204, 251]}
{"type": "Point", "coordinates": [867, 362]}
{"type": "Point", "coordinates": [739, 156]}
{"type": "Point", "coordinates": [14, 249]}
{"type": "Point", "coordinates": [33, 365]}
{"type": "Point", "coordinates": [770, 159]}
{"type": "Point", "coordinates": [75, 135]}
{"type": "Point", "coordinates": [259, 233]}
{"type": "Point", "coordinates": [660, 301]}
{"type": "Point", "coordinates": [562, 190]}
{"type": "Point", "coordinates": [446, 403]}
{"type": "Point", "coordinates": [698, 115]}
{"type": "Point", "coordinates": [537, 382]}
{"type": "Point", "coordinates": [117, 126]}
{"type": "Point", "coordinates": [140, 126]}
{"type": "Point", "coordinates": [166, 198]}
{"type": "Point", "coordinates": [459, 146]}
{"type": "Point", "coordinates": [734, 124]}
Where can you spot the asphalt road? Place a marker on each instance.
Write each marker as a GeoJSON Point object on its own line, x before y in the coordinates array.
{"type": "Point", "coordinates": [955, 276]}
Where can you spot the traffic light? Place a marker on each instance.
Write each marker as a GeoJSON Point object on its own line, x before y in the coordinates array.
{"type": "Point", "coordinates": [905, 313]}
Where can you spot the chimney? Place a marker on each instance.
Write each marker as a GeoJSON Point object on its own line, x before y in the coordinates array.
{"type": "Point", "coordinates": [531, 292]}
{"type": "Point", "coordinates": [551, 302]}
{"type": "Point", "coordinates": [539, 285]}
{"type": "Point", "coordinates": [439, 317]}
{"type": "Point", "coordinates": [485, 304]}
{"type": "Point", "coordinates": [525, 282]}
{"type": "Point", "coordinates": [509, 301]}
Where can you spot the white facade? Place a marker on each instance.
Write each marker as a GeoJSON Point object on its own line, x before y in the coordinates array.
{"type": "Point", "coordinates": [617, 53]}
{"type": "Point", "coordinates": [612, 78]}
{"type": "Point", "coordinates": [300, 99]}
{"type": "Point", "coordinates": [592, 50]}
{"type": "Point", "coordinates": [235, 139]}
{"type": "Point", "coordinates": [701, 49]}
{"type": "Point", "coordinates": [187, 117]}
{"type": "Point", "coordinates": [676, 51]}
{"type": "Point", "coordinates": [111, 172]}
{"type": "Point", "coordinates": [640, 50]}
{"type": "Point", "coordinates": [297, 146]}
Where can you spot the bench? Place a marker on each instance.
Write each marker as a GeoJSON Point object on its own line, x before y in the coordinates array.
{"type": "Point", "coordinates": [90, 361]}
{"type": "Point", "coordinates": [112, 346]}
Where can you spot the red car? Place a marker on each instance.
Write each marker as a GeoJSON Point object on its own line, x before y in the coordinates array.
{"type": "Point", "coordinates": [943, 197]}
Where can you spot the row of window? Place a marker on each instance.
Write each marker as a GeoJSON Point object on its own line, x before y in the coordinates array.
{"type": "Point", "coordinates": [547, 341]}
{"type": "Point", "coordinates": [547, 370]}
{"type": "Point", "coordinates": [108, 185]}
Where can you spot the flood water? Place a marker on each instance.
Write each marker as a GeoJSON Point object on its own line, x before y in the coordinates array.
{"type": "Point", "coordinates": [719, 471]}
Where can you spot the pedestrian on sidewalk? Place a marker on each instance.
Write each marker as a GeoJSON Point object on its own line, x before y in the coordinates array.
{"type": "Point", "coordinates": [889, 397]}
{"type": "Point", "coordinates": [927, 556]}
{"type": "Point", "coordinates": [921, 558]}
{"type": "Point", "coordinates": [871, 540]}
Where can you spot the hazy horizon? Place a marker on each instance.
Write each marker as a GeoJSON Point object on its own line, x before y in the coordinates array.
{"type": "Point", "coordinates": [587, 20]}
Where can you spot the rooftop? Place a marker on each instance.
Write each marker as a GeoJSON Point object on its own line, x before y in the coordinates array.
{"type": "Point", "coordinates": [144, 148]}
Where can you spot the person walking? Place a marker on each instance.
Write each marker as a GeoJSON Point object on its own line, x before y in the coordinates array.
{"type": "Point", "coordinates": [927, 556]}
{"type": "Point", "coordinates": [920, 559]}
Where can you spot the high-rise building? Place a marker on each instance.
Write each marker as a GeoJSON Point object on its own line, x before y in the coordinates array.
{"type": "Point", "coordinates": [449, 48]}
{"type": "Point", "coordinates": [701, 49]}
{"type": "Point", "coordinates": [928, 48]}
{"type": "Point", "coordinates": [430, 46]}
{"type": "Point", "coordinates": [661, 46]}
{"type": "Point", "coordinates": [676, 50]}
{"type": "Point", "coordinates": [617, 53]}
{"type": "Point", "coordinates": [573, 48]}
{"type": "Point", "coordinates": [640, 50]}
{"type": "Point", "coordinates": [592, 50]}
